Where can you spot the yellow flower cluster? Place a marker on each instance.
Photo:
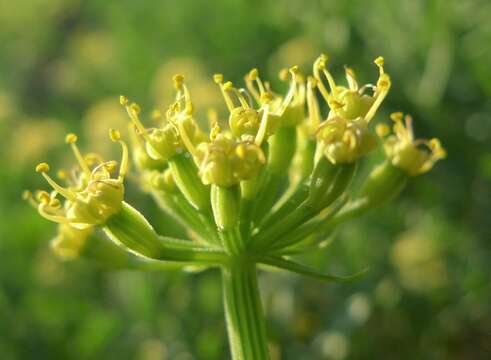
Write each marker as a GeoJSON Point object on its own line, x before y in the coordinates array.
{"type": "Point", "coordinates": [272, 142]}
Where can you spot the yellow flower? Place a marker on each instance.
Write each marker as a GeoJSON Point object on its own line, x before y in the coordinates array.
{"type": "Point", "coordinates": [179, 130]}
{"type": "Point", "coordinates": [414, 156]}
{"type": "Point", "coordinates": [247, 123]}
{"type": "Point", "coordinates": [92, 195]}
{"type": "Point", "coordinates": [351, 102]}
{"type": "Point", "coordinates": [345, 135]}
{"type": "Point", "coordinates": [290, 109]}
{"type": "Point", "coordinates": [344, 141]}
{"type": "Point", "coordinates": [226, 162]}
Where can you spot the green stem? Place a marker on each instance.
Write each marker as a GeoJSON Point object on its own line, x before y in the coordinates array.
{"type": "Point", "coordinates": [243, 312]}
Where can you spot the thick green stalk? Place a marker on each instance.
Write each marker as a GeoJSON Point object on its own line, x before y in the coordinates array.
{"type": "Point", "coordinates": [243, 312]}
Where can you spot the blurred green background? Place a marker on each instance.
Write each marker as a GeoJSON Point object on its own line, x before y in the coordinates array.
{"type": "Point", "coordinates": [63, 64]}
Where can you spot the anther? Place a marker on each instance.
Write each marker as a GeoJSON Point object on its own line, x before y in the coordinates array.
{"type": "Point", "coordinates": [382, 130]}
{"type": "Point", "coordinates": [218, 78]}
{"type": "Point", "coordinates": [283, 75]}
{"type": "Point", "coordinates": [253, 74]}
{"type": "Point", "coordinates": [114, 135]}
{"type": "Point", "coordinates": [228, 85]}
{"type": "Point", "coordinates": [135, 108]}
{"type": "Point", "coordinates": [42, 167]}
{"type": "Point", "coordinates": [71, 138]}
{"type": "Point", "coordinates": [55, 203]}
{"type": "Point", "coordinates": [396, 116]}
{"type": "Point", "coordinates": [178, 80]}
{"type": "Point", "coordinates": [123, 100]}
{"type": "Point", "coordinates": [43, 197]}
{"type": "Point", "coordinates": [61, 174]}
{"type": "Point", "coordinates": [379, 61]}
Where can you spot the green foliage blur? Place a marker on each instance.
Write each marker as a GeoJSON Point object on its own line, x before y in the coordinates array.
{"type": "Point", "coordinates": [63, 64]}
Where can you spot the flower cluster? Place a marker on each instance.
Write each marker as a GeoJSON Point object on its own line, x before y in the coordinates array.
{"type": "Point", "coordinates": [270, 179]}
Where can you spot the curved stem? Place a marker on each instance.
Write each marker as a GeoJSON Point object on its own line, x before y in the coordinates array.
{"type": "Point", "coordinates": [243, 311]}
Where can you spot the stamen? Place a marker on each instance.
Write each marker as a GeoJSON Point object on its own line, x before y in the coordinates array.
{"type": "Point", "coordinates": [380, 63]}
{"type": "Point", "coordinates": [383, 86]}
{"type": "Point", "coordinates": [55, 203]}
{"type": "Point", "coordinates": [350, 76]}
{"type": "Point", "coordinates": [242, 99]}
{"type": "Point", "coordinates": [72, 140]}
{"type": "Point", "coordinates": [247, 96]}
{"type": "Point", "coordinates": [115, 136]}
{"type": "Point", "coordinates": [261, 134]}
{"type": "Point", "coordinates": [291, 92]}
{"type": "Point", "coordinates": [43, 168]}
{"type": "Point", "coordinates": [320, 64]}
{"type": "Point", "coordinates": [186, 139]}
{"type": "Point", "coordinates": [181, 87]}
{"type": "Point", "coordinates": [133, 110]}
{"type": "Point", "coordinates": [218, 78]}
{"type": "Point", "coordinates": [409, 127]}
{"type": "Point", "coordinates": [214, 127]}
{"type": "Point", "coordinates": [252, 77]}
{"type": "Point", "coordinates": [43, 196]}
{"type": "Point", "coordinates": [27, 195]}
{"type": "Point", "coordinates": [312, 104]}
{"type": "Point", "coordinates": [55, 218]}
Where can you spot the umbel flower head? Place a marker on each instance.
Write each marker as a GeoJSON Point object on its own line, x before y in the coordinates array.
{"type": "Point", "coordinates": [91, 195]}
{"type": "Point", "coordinates": [414, 156]}
{"type": "Point", "coordinates": [271, 184]}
